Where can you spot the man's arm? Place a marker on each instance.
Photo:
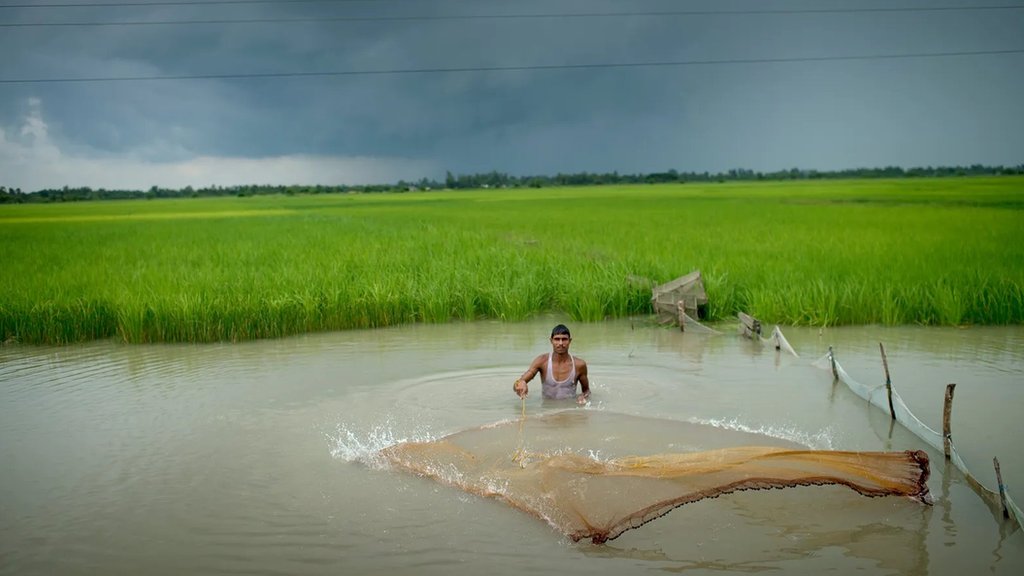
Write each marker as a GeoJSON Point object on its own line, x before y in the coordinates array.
{"type": "Point", "coordinates": [584, 380]}
{"type": "Point", "coordinates": [520, 386]}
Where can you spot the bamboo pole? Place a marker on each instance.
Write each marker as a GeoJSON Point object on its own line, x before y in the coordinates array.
{"type": "Point", "coordinates": [1002, 489]}
{"type": "Point", "coordinates": [888, 381]}
{"type": "Point", "coordinates": [947, 411]}
{"type": "Point", "coordinates": [832, 359]}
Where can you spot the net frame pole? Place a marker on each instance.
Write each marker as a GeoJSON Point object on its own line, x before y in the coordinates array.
{"type": "Point", "coordinates": [1002, 489]}
{"type": "Point", "coordinates": [888, 381]}
{"type": "Point", "coordinates": [947, 412]}
{"type": "Point", "coordinates": [832, 360]}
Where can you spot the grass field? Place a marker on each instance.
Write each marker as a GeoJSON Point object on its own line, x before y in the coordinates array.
{"type": "Point", "coordinates": [941, 251]}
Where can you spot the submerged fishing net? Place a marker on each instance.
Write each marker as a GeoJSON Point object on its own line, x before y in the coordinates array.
{"type": "Point", "coordinates": [879, 397]}
{"type": "Point", "coordinates": [750, 327]}
{"type": "Point", "coordinates": [779, 341]}
{"type": "Point", "coordinates": [692, 325]}
{"type": "Point", "coordinates": [573, 470]}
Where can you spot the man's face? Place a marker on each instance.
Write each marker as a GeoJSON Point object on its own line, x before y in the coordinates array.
{"type": "Point", "coordinates": [560, 343]}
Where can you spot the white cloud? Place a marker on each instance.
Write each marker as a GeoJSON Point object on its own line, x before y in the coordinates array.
{"type": "Point", "coordinates": [32, 159]}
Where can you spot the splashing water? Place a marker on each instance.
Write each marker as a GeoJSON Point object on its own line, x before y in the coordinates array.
{"type": "Point", "coordinates": [353, 445]}
{"type": "Point", "coordinates": [821, 440]}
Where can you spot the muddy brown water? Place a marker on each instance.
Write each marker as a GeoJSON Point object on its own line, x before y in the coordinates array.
{"type": "Point", "coordinates": [257, 458]}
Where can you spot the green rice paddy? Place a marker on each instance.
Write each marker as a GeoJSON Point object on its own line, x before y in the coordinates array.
{"type": "Point", "coordinates": [944, 251]}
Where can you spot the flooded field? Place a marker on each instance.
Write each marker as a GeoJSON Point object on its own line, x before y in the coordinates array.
{"type": "Point", "coordinates": [257, 457]}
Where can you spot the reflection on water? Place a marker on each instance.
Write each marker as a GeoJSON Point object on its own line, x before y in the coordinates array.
{"type": "Point", "coordinates": [251, 457]}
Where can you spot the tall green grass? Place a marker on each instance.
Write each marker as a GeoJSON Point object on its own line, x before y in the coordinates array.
{"type": "Point", "coordinates": [944, 252]}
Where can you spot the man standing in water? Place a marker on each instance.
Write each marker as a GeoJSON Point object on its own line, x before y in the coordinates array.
{"type": "Point", "coordinates": [559, 371]}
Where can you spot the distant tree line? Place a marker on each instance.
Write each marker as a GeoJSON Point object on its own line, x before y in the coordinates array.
{"type": "Point", "coordinates": [496, 179]}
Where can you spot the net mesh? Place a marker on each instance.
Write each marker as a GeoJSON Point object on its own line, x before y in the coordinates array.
{"type": "Point", "coordinates": [692, 325]}
{"type": "Point", "coordinates": [545, 471]}
{"type": "Point", "coordinates": [778, 340]}
{"type": "Point", "coordinates": [878, 396]}
{"type": "Point", "coordinates": [751, 327]}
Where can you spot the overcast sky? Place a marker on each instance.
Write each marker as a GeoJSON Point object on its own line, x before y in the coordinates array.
{"type": "Point", "coordinates": [771, 86]}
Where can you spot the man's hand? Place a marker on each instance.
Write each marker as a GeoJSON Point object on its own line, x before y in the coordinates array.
{"type": "Point", "coordinates": [520, 388]}
{"type": "Point", "coordinates": [582, 399]}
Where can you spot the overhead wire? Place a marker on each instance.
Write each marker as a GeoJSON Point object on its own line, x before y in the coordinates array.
{"type": "Point", "coordinates": [540, 67]}
{"type": "Point", "coordinates": [191, 3]}
{"type": "Point", "coordinates": [203, 3]}
{"type": "Point", "coordinates": [525, 16]}
{"type": "Point", "coordinates": [448, 70]}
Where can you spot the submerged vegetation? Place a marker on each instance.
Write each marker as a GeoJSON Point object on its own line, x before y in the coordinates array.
{"type": "Point", "coordinates": [926, 251]}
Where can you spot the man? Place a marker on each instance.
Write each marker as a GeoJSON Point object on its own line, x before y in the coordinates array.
{"type": "Point", "coordinates": [559, 371]}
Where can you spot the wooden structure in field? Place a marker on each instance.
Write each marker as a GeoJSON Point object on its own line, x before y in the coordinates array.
{"type": "Point", "coordinates": [681, 298]}
{"type": "Point", "coordinates": [750, 327]}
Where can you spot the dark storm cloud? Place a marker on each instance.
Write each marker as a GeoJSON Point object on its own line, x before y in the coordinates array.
{"type": "Point", "coordinates": [766, 116]}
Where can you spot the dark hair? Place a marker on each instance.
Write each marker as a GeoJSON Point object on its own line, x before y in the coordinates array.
{"type": "Point", "coordinates": [561, 329]}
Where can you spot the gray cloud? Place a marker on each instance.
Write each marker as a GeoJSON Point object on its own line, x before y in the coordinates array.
{"type": "Point", "coordinates": [764, 116]}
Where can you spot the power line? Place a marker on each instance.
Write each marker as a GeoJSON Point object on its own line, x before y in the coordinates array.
{"type": "Point", "coordinates": [401, 71]}
{"type": "Point", "coordinates": [670, 13]}
{"type": "Point", "coordinates": [192, 3]}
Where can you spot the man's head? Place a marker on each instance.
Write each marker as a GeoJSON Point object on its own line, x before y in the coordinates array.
{"type": "Point", "coordinates": [560, 339]}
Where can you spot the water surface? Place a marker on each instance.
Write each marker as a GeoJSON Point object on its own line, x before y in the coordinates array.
{"type": "Point", "coordinates": [256, 458]}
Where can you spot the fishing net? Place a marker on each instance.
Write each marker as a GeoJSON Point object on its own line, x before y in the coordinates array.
{"type": "Point", "coordinates": [878, 396]}
{"type": "Point", "coordinates": [692, 325]}
{"type": "Point", "coordinates": [750, 327]}
{"type": "Point", "coordinates": [779, 341]}
{"type": "Point", "coordinates": [574, 469]}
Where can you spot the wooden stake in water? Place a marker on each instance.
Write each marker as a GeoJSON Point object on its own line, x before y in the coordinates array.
{"type": "Point", "coordinates": [888, 381]}
{"type": "Point", "coordinates": [1002, 489]}
{"type": "Point", "coordinates": [832, 359]}
{"type": "Point", "coordinates": [947, 411]}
